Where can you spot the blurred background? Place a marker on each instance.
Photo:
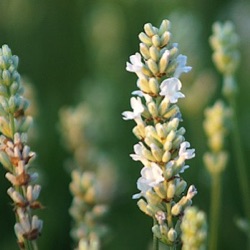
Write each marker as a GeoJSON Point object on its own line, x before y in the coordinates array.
{"type": "Point", "coordinates": [75, 50]}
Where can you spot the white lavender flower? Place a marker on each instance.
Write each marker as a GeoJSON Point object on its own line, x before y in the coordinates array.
{"type": "Point", "coordinates": [162, 149]}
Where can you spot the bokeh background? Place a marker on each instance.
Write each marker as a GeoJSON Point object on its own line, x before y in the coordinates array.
{"type": "Point", "coordinates": [74, 50]}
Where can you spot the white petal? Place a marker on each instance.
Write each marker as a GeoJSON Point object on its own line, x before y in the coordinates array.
{"type": "Point", "coordinates": [170, 87]}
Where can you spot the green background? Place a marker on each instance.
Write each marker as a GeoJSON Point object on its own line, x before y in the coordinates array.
{"type": "Point", "coordinates": [73, 50]}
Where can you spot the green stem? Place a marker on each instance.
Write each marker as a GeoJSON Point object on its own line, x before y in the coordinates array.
{"type": "Point", "coordinates": [155, 243]}
{"type": "Point", "coordinates": [155, 240]}
{"type": "Point", "coordinates": [215, 211]}
{"type": "Point", "coordinates": [241, 167]}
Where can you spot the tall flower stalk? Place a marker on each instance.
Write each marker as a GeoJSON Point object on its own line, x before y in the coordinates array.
{"type": "Point", "coordinates": [15, 154]}
{"type": "Point", "coordinates": [92, 178]}
{"type": "Point", "coordinates": [215, 125]}
{"type": "Point", "coordinates": [225, 42]}
{"type": "Point", "coordinates": [162, 148]}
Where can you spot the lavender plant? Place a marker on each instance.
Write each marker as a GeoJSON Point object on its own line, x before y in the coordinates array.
{"type": "Point", "coordinates": [15, 153]}
{"type": "Point", "coordinates": [162, 148]}
{"type": "Point", "coordinates": [92, 178]}
{"type": "Point", "coordinates": [226, 56]}
{"type": "Point", "coordinates": [216, 123]}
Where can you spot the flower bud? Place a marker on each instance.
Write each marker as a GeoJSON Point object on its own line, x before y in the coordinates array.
{"type": "Point", "coordinates": [154, 85]}
{"type": "Point", "coordinates": [156, 41]}
{"type": "Point", "coordinates": [172, 235]}
{"type": "Point", "coordinates": [154, 53]}
{"type": "Point", "coordinates": [165, 24]}
{"type": "Point", "coordinates": [144, 51]}
{"type": "Point", "coordinates": [152, 66]}
{"type": "Point", "coordinates": [149, 29]}
{"type": "Point", "coordinates": [145, 39]}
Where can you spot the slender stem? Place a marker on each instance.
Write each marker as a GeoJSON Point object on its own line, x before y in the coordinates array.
{"type": "Point", "coordinates": [241, 167]}
{"type": "Point", "coordinates": [155, 243]}
{"type": "Point", "coordinates": [215, 211]}
{"type": "Point", "coordinates": [34, 245]}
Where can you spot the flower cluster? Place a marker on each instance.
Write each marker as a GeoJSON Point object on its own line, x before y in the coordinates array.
{"type": "Point", "coordinates": [226, 56]}
{"type": "Point", "coordinates": [194, 229]}
{"type": "Point", "coordinates": [92, 178]}
{"type": "Point", "coordinates": [162, 149]}
{"type": "Point", "coordinates": [225, 42]}
{"type": "Point", "coordinates": [216, 128]}
{"type": "Point", "coordinates": [15, 154]}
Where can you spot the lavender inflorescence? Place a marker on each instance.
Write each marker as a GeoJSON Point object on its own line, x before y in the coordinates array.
{"type": "Point", "coordinates": [162, 148]}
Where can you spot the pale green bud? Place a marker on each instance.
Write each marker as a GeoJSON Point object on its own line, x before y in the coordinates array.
{"type": "Point", "coordinates": [153, 199]}
{"type": "Point", "coordinates": [171, 136]}
{"type": "Point", "coordinates": [152, 108]}
{"type": "Point", "coordinates": [165, 25]}
{"type": "Point", "coordinates": [143, 84]}
{"type": "Point", "coordinates": [154, 85]}
{"type": "Point", "coordinates": [181, 131]}
{"type": "Point", "coordinates": [3, 91]}
{"type": "Point", "coordinates": [146, 71]}
{"type": "Point", "coordinates": [152, 66]}
{"type": "Point", "coordinates": [145, 39]}
{"type": "Point", "coordinates": [168, 173]}
{"type": "Point", "coordinates": [15, 61]}
{"type": "Point", "coordinates": [166, 156]}
{"type": "Point", "coordinates": [177, 141]}
{"type": "Point", "coordinates": [14, 88]}
{"type": "Point", "coordinates": [172, 235]}
{"type": "Point", "coordinates": [173, 52]}
{"type": "Point", "coordinates": [161, 190]}
{"type": "Point", "coordinates": [5, 128]}
{"type": "Point", "coordinates": [164, 62]}
{"type": "Point", "coordinates": [143, 206]}
{"type": "Point", "coordinates": [6, 78]}
{"type": "Point", "coordinates": [150, 131]}
{"type": "Point", "coordinates": [13, 104]}
{"type": "Point", "coordinates": [3, 64]}
{"type": "Point", "coordinates": [171, 190]}
{"type": "Point", "coordinates": [5, 161]}
{"type": "Point", "coordinates": [160, 130]}
{"type": "Point", "coordinates": [4, 103]}
{"type": "Point", "coordinates": [164, 105]}
{"type": "Point", "coordinates": [176, 209]}
{"type": "Point", "coordinates": [165, 38]}
{"type": "Point", "coordinates": [138, 132]}
{"type": "Point", "coordinates": [180, 187]}
{"type": "Point", "coordinates": [144, 51]}
{"type": "Point", "coordinates": [149, 29]}
{"type": "Point", "coordinates": [167, 145]}
{"type": "Point", "coordinates": [172, 111]}
{"type": "Point", "coordinates": [156, 231]}
{"type": "Point", "coordinates": [147, 154]}
{"type": "Point", "coordinates": [16, 76]}
{"type": "Point", "coordinates": [154, 53]}
{"type": "Point", "coordinates": [156, 152]}
{"type": "Point", "coordinates": [6, 51]}
{"type": "Point", "coordinates": [156, 41]}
